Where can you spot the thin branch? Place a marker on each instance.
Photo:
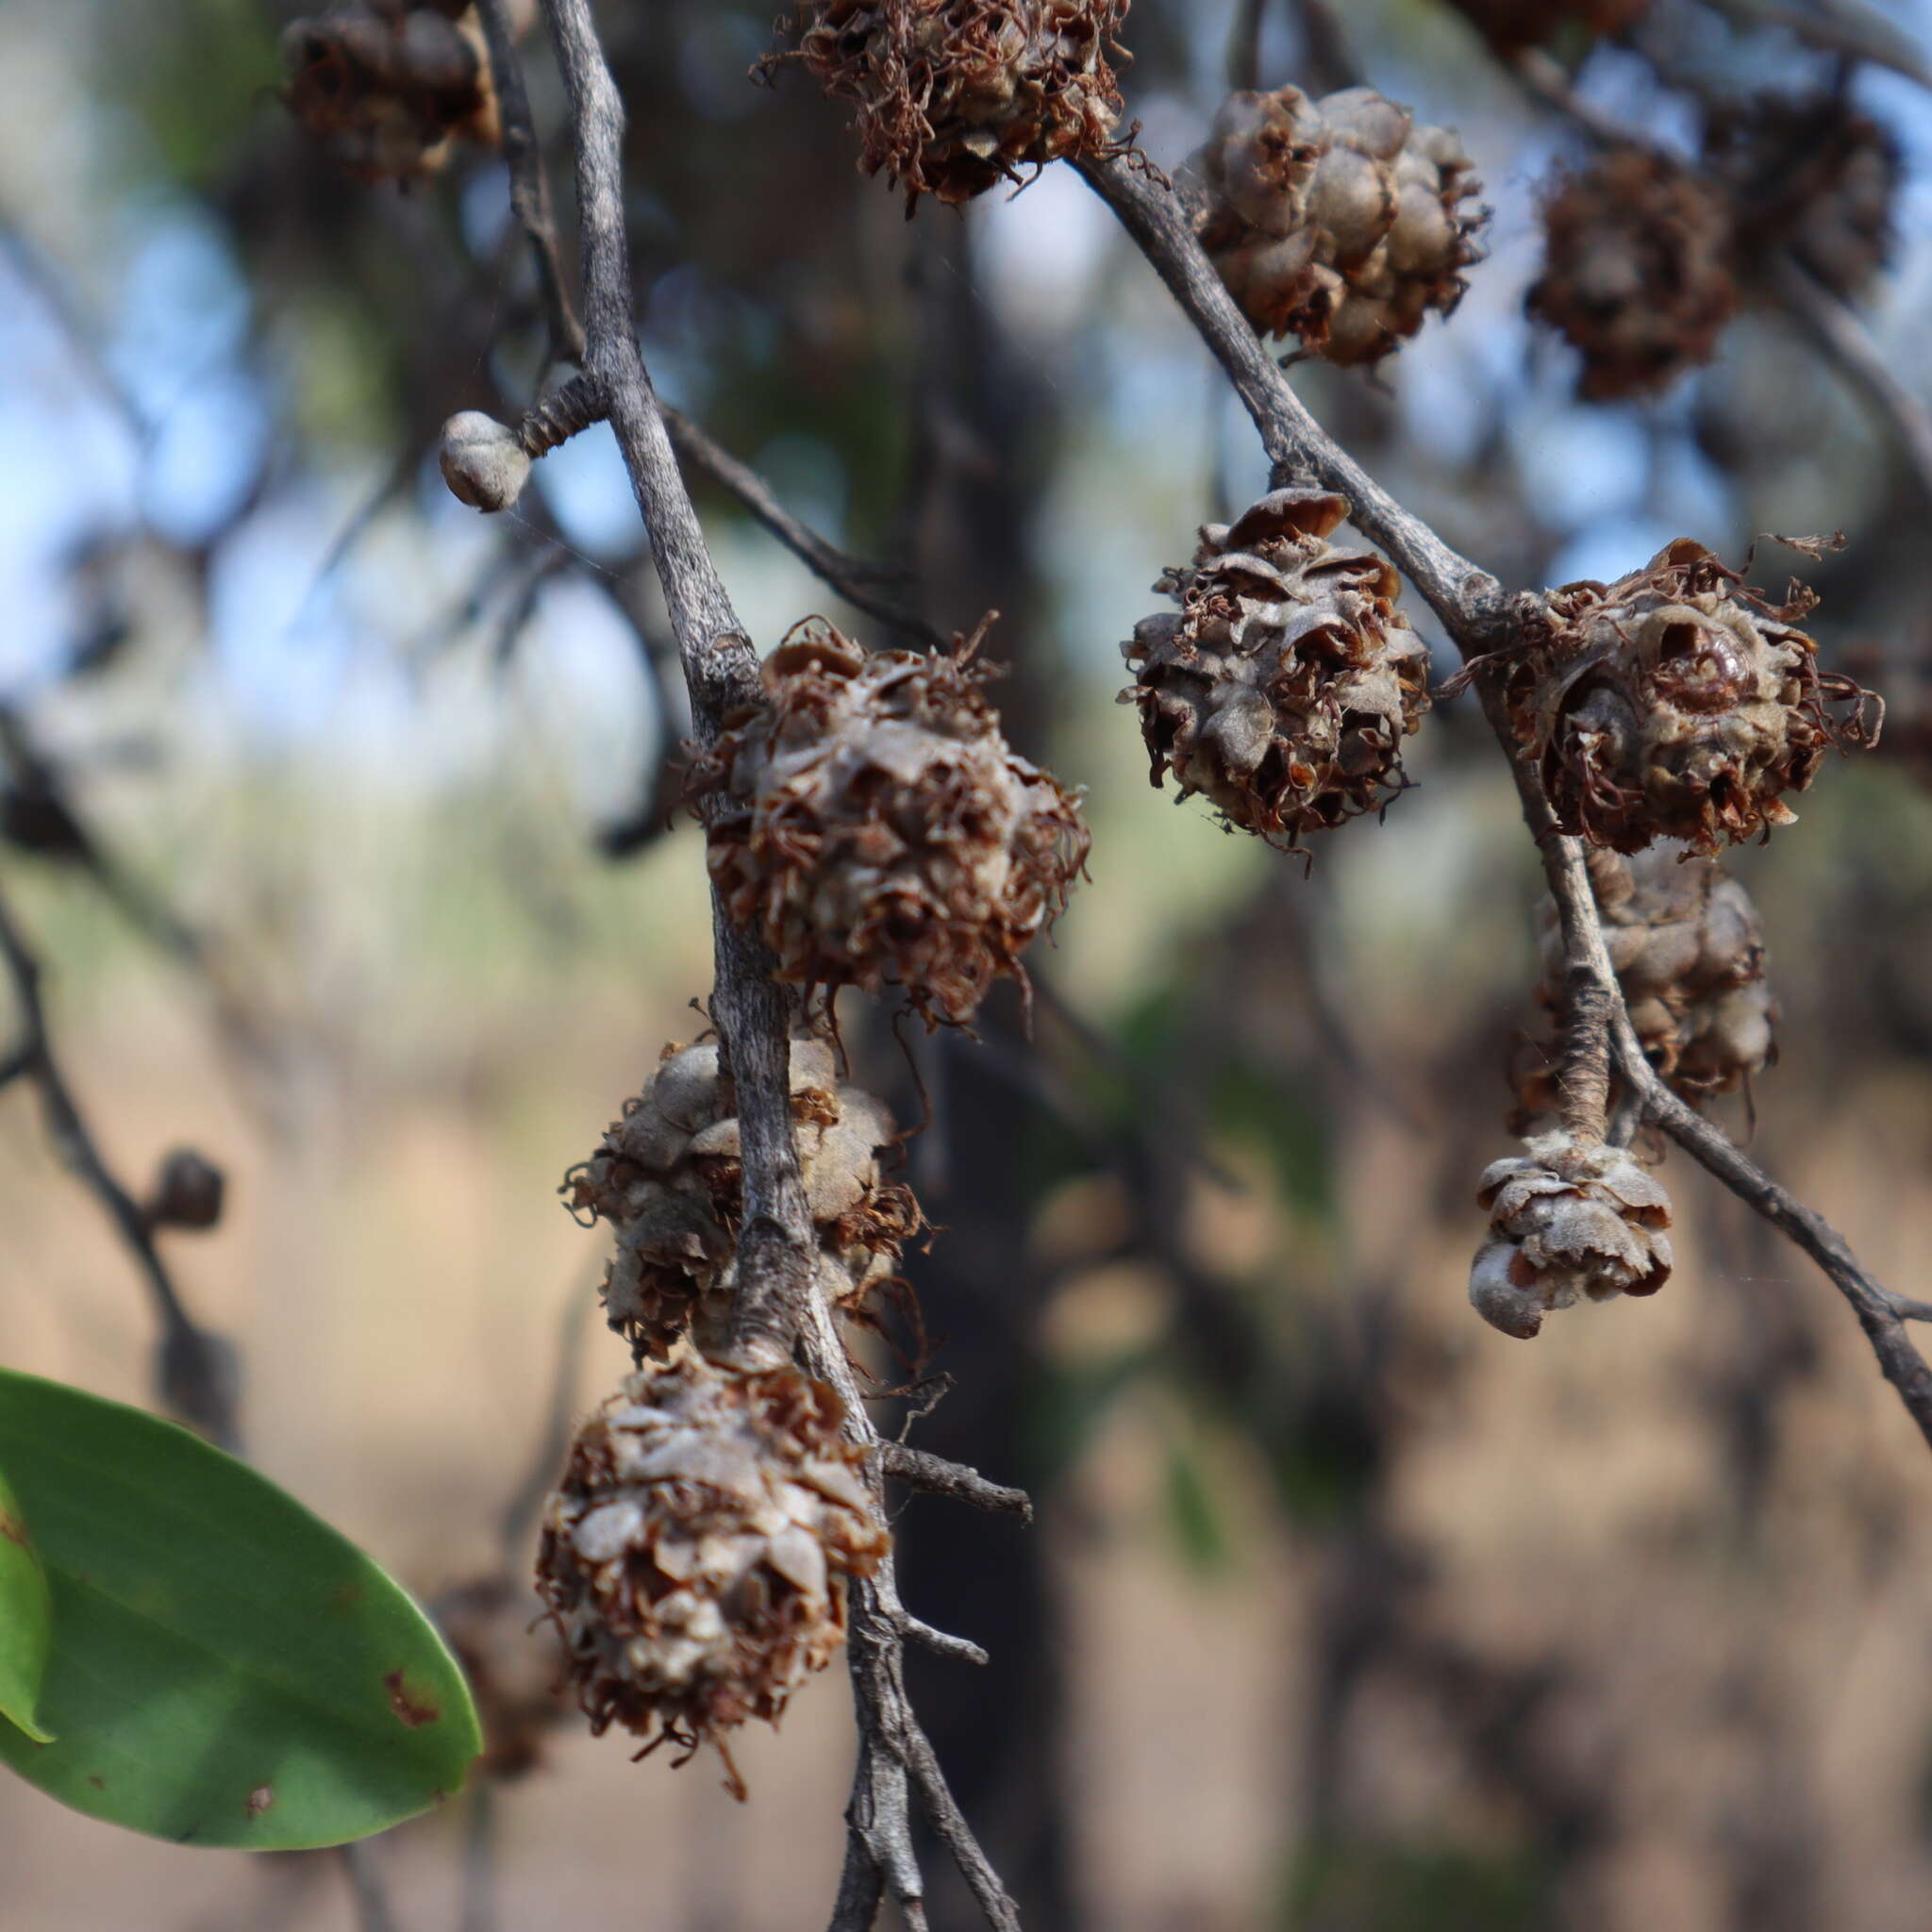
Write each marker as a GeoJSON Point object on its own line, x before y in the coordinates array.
{"type": "Point", "coordinates": [1880, 1313]}
{"type": "Point", "coordinates": [1839, 334]}
{"type": "Point", "coordinates": [1834, 28]}
{"type": "Point", "coordinates": [195, 1370]}
{"type": "Point", "coordinates": [855, 581]}
{"type": "Point", "coordinates": [1244, 44]}
{"type": "Point", "coordinates": [529, 187]}
{"type": "Point", "coordinates": [778, 1304]}
{"type": "Point", "coordinates": [367, 1887]}
{"type": "Point", "coordinates": [1471, 603]}
{"type": "Point", "coordinates": [1478, 615]}
{"type": "Point", "coordinates": [920, 1470]}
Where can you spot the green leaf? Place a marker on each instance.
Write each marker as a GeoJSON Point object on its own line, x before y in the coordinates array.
{"type": "Point", "coordinates": [226, 1669]}
{"type": "Point", "coordinates": [26, 1616]}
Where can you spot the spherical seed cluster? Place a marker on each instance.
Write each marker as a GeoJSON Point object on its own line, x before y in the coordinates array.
{"type": "Point", "coordinates": [954, 97]}
{"type": "Point", "coordinates": [695, 1554]}
{"type": "Point", "coordinates": [1285, 686]}
{"type": "Point", "coordinates": [514, 1673]}
{"type": "Point", "coordinates": [1510, 25]}
{"type": "Point", "coordinates": [1567, 1220]}
{"type": "Point", "coordinates": [386, 86]}
{"type": "Point", "coordinates": [1638, 271]}
{"type": "Point", "coordinates": [1811, 177]}
{"type": "Point", "coordinates": [875, 826]}
{"type": "Point", "coordinates": [1338, 221]}
{"type": "Point", "coordinates": [1688, 946]}
{"type": "Point", "coordinates": [669, 1179]}
{"type": "Point", "coordinates": [1679, 703]}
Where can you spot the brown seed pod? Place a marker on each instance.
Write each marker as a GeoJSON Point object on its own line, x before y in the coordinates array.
{"type": "Point", "coordinates": [1688, 946]}
{"type": "Point", "coordinates": [1639, 272]}
{"type": "Point", "coordinates": [952, 97]}
{"type": "Point", "coordinates": [669, 1179]}
{"type": "Point", "coordinates": [515, 1672]}
{"type": "Point", "coordinates": [1567, 1219]}
{"type": "Point", "coordinates": [1338, 221]}
{"type": "Point", "coordinates": [1510, 25]}
{"type": "Point", "coordinates": [696, 1552]}
{"type": "Point", "coordinates": [188, 1193]}
{"type": "Point", "coordinates": [1811, 177]}
{"type": "Point", "coordinates": [1283, 690]}
{"type": "Point", "coordinates": [386, 87]}
{"type": "Point", "coordinates": [1679, 702]}
{"type": "Point", "coordinates": [871, 822]}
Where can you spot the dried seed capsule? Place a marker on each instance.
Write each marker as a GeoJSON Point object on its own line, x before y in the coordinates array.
{"type": "Point", "coordinates": [385, 87]}
{"type": "Point", "coordinates": [1813, 178]}
{"type": "Point", "coordinates": [696, 1552]}
{"type": "Point", "coordinates": [669, 1179]}
{"type": "Point", "coordinates": [1338, 221]}
{"type": "Point", "coordinates": [952, 97]}
{"type": "Point", "coordinates": [1689, 949]}
{"type": "Point", "coordinates": [1510, 25]}
{"type": "Point", "coordinates": [187, 1193]}
{"type": "Point", "coordinates": [1568, 1219]}
{"type": "Point", "coordinates": [1638, 271]}
{"type": "Point", "coordinates": [483, 462]}
{"type": "Point", "coordinates": [1679, 703]}
{"type": "Point", "coordinates": [1283, 690]}
{"type": "Point", "coordinates": [871, 822]}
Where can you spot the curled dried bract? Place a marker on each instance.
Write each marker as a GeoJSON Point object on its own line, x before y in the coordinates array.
{"type": "Point", "coordinates": [953, 96]}
{"type": "Point", "coordinates": [669, 1179]}
{"type": "Point", "coordinates": [1638, 271]}
{"type": "Point", "coordinates": [695, 1554]}
{"type": "Point", "coordinates": [1283, 689]}
{"type": "Point", "coordinates": [1569, 1218]}
{"type": "Point", "coordinates": [386, 87]}
{"type": "Point", "coordinates": [1679, 702]}
{"type": "Point", "coordinates": [1338, 221]}
{"type": "Point", "coordinates": [871, 822]}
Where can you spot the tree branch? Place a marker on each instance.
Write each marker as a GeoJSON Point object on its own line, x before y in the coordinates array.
{"type": "Point", "coordinates": [918, 1470]}
{"type": "Point", "coordinates": [1471, 603]}
{"type": "Point", "coordinates": [529, 187]}
{"type": "Point", "coordinates": [857, 582]}
{"type": "Point", "coordinates": [778, 1304]}
{"type": "Point", "coordinates": [195, 1370]}
{"type": "Point", "coordinates": [1834, 28]}
{"type": "Point", "coordinates": [1479, 616]}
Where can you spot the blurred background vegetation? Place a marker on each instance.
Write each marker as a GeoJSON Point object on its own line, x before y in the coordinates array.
{"type": "Point", "coordinates": [1342, 1612]}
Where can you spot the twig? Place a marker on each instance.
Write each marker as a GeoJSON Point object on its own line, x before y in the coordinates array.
{"type": "Point", "coordinates": [196, 1371]}
{"type": "Point", "coordinates": [529, 187]}
{"type": "Point", "coordinates": [1881, 1314]}
{"type": "Point", "coordinates": [1244, 44]}
{"type": "Point", "coordinates": [1837, 333]}
{"type": "Point", "coordinates": [1834, 28]}
{"type": "Point", "coordinates": [778, 1303]}
{"type": "Point", "coordinates": [918, 1470]}
{"type": "Point", "coordinates": [1471, 603]}
{"type": "Point", "coordinates": [857, 582]}
{"type": "Point", "coordinates": [1479, 616]}
{"type": "Point", "coordinates": [366, 1885]}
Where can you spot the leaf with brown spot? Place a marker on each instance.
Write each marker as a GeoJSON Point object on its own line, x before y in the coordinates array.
{"type": "Point", "coordinates": [213, 1643]}
{"type": "Point", "coordinates": [413, 1708]}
